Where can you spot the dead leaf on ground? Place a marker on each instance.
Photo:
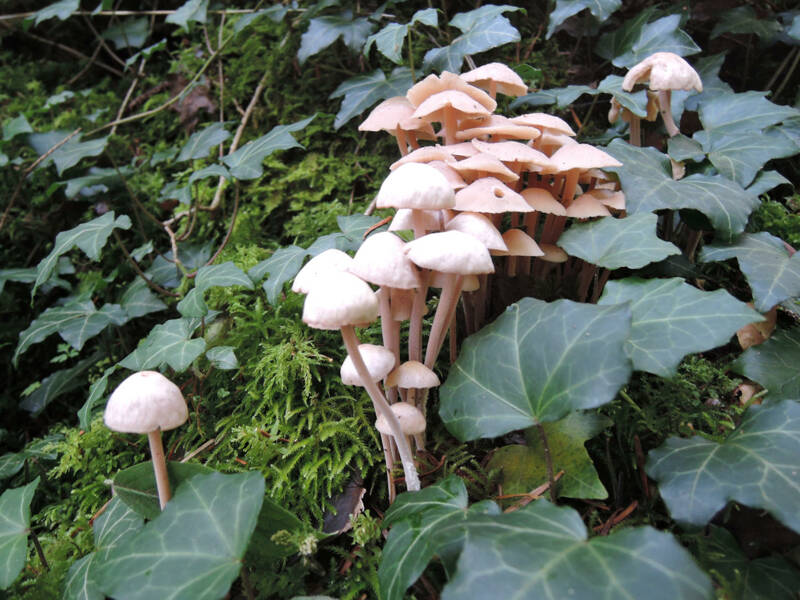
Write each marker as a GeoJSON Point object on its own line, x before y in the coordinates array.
{"type": "Point", "coordinates": [757, 333]}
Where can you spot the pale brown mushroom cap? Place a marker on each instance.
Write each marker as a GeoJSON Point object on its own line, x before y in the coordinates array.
{"type": "Point", "coordinates": [411, 419]}
{"type": "Point", "coordinates": [582, 156]}
{"type": "Point", "coordinates": [447, 81]}
{"type": "Point", "coordinates": [516, 152]}
{"type": "Point", "coordinates": [433, 109]}
{"type": "Point", "coordinates": [506, 81]}
{"type": "Point", "coordinates": [461, 150]}
{"type": "Point", "coordinates": [586, 206]}
{"type": "Point", "coordinates": [339, 299]}
{"type": "Point", "coordinates": [611, 198]}
{"type": "Point", "coordinates": [519, 243]}
{"type": "Point", "coordinates": [426, 154]}
{"type": "Point", "coordinates": [539, 199]}
{"type": "Point", "coordinates": [664, 71]}
{"type": "Point", "coordinates": [412, 374]}
{"type": "Point", "coordinates": [380, 260]}
{"type": "Point", "coordinates": [545, 123]}
{"type": "Point", "coordinates": [144, 402]}
{"type": "Point", "coordinates": [450, 252]}
{"type": "Point", "coordinates": [550, 143]}
{"type": "Point", "coordinates": [483, 164]}
{"type": "Point", "coordinates": [445, 168]}
{"type": "Point", "coordinates": [387, 115]}
{"type": "Point", "coordinates": [330, 261]}
{"type": "Point", "coordinates": [490, 195]}
{"type": "Point", "coordinates": [478, 226]}
{"type": "Point", "coordinates": [498, 126]}
{"type": "Point", "coordinates": [378, 359]}
{"type": "Point", "coordinates": [553, 253]}
{"type": "Point", "coordinates": [415, 185]}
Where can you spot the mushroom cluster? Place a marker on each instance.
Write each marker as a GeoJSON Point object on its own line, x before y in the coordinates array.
{"type": "Point", "coordinates": [491, 200]}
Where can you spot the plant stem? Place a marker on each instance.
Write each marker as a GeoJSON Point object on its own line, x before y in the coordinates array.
{"type": "Point", "coordinates": [39, 550]}
{"type": "Point", "coordinates": [548, 459]}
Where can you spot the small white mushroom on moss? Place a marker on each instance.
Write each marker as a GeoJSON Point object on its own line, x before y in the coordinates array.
{"type": "Point", "coordinates": [411, 419]}
{"type": "Point", "coordinates": [147, 402]}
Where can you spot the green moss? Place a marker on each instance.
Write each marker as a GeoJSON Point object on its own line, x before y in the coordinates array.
{"type": "Point", "coordinates": [779, 220]}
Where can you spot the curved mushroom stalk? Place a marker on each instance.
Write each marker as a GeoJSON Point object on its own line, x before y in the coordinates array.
{"type": "Point", "coordinates": [448, 301]}
{"type": "Point", "coordinates": [381, 407]}
{"type": "Point", "coordinates": [665, 110]}
{"type": "Point", "coordinates": [159, 467]}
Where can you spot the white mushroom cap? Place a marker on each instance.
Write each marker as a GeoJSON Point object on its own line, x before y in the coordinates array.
{"type": "Point", "coordinates": [378, 359]}
{"type": "Point", "coordinates": [404, 220]}
{"type": "Point", "coordinates": [146, 401]}
{"type": "Point", "coordinates": [380, 260]}
{"type": "Point", "coordinates": [450, 252]}
{"type": "Point", "coordinates": [415, 185]}
{"type": "Point", "coordinates": [330, 261]}
{"type": "Point", "coordinates": [478, 226]}
{"type": "Point", "coordinates": [411, 419]}
{"type": "Point", "coordinates": [412, 374]}
{"type": "Point", "coordinates": [665, 71]}
{"type": "Point", "coordinates": [339, 299]}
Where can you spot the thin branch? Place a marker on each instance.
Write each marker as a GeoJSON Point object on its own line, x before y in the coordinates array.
{"type": "Point", "coordinates": [105, 46]}
{"type": "Point", "coordinates": [137, 13]}
{"type": "Point", "coordinates": [27, 172]}
{"type": "Point", "coordinates": [151, 284]}
{"type": "Point", "coordinates": [88, 66]}
{"type": "Point", "coordinates": [128, 95]}
{"type": "Point", "coordinates": [66, 49]}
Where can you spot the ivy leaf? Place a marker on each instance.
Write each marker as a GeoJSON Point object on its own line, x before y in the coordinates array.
{"type": "Point", "coordinates": [138, 300]}
{"type": "Point", "coordinates": [543, 551]}
{"type": "Point", "coordinates": [75, 322]}
{"type": "Point", "coordinates": [95, 181]}
{"type": "Point", "coordinates": [770, 578]}
{"type": "Point", "coordinates": [199, 144]}
{"type": "Point", "coordinates": [756, 466]}
{"type": "Point", "coordinates": [636, 102]}
{"type": "Point", "coordinates": [773, 364]}
{"type": "Point", "coordinates": [128, 33]}
{"type": "Point", "coordinates": [62, 10]}
{"type": "Point", "coordinates": [532, 376]}
{"type": "Point", "coordinates": [481, 29]}
{"type": "Point", "coordinates": [744, 113]}
{"type": "Point", "coordinates": [212, 517]}
{"type": "Point", "coordinates": [209, 171]}
{"type": "Point", "coordinates": [223, 357]}
{"type": "Point", "coordinates": [743, 19]}
{"type": "Point", "coordinates": [15, 508]}
{"type": "Point", "coordinates": [168, 343]}
{"type": "Point", "coordinates": [276, 12]}
{"type": "Point", "coordinates": [192, 10]}
{"type": "Point", "coordinates": [600, 9]}
{"type": "Point", "coordinates": [282, 266]}
{"type": "Point", "coordinates": [136, 485]}
{"type": "Point", "coordinates": [672, 319]}
{"type": "Point", "coordinates": [363, 91]}
{"type": "Point", "coordinates": [96, 393]}
{"type": "Point", "coordinates": [707, 68]}
{"type": "Point", "coordinates": [11, 463]}
{"type": "Point", "coordinates": [71, 153]}
{"type": "Point", "coordinates": [324, 31]}
{"type": "Point", "coordinates": [54, 385]}
{"type": "Point", "coordinates": [160, 45]}
{"type": "Point", "coordinates": [681, 148]}
{"type": "Point", "coordinates": [637, 40]}
{"type": "Point", "coordinates": [113, 527]}
{"type": "Point", "coordinates": [523, 468]}
{"type": "Point", "coordinates": [16, 126]}
{"type": "Point", "coordinates": [245, 163]}
{"type": "Point", "coordinates": [223, 275]}
{"type": "Point", "coordinates": [646, 177]}
{"type": "Point", "coordinates": [765, 181]}
{"type": "Point", "coordinates": [354, 228]}
{"type": "Point", "coordinates": [741, 156]}
{"type": "Point", "coordinates": [614, 243]}
{"type": "Point", "coordinates": [391, 38]}
{"type": "Point", "coordinates": [773, 275]}
{"type": "Point", "coordinates": [424, 523]}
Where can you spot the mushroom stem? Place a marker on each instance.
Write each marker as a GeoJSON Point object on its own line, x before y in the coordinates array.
{"type": "Point", "coordinates": [415, 324]}
{"type": "Point", "coordinates": [387, 331]}
{"type": "Point", "coordinates": [450, 125]}
{"type": "Point", "coordinates": [635, 132]}
{"type": "Point", "coordinates": [386, 442]}
{"type": "Point", "coordinates": [400, 136]}
{"type": "Point", "coordinates": [665, 109]}
{"type": "Point", "coordinates": [381, 407]}
{"type": "Point", "coordinates": [444, 315]}
{"type": "Point", "coordinates": [159, 467]}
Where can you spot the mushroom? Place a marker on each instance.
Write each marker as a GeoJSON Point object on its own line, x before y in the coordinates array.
{"type": "Point", "coordinates": [496, 77]}
{"type": "Point", "coordinates": [147, 402]}
{"type": "Point", "coordinates": [342, 301]}
{"type": "Point", "coordinates": [411, 419]}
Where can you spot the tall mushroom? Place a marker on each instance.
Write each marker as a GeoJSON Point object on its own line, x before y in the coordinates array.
{"type": "Point", "coordinates": [342, 301]}
{"type": "Point", "coordinates": [147, 402]}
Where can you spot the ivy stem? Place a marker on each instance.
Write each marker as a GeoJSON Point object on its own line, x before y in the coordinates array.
{"type": "Point", "coordinates": [39, 550]}
{"type": "Point", "coordinates": [548, 460]}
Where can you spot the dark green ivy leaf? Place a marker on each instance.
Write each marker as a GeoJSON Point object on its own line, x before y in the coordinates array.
{"type": "Point", "coordinates": [245, 163]}
{"type": "Point", "coordinates": [282, 266]}
{"type": "Point", "coordinates": [600, 9]}
{"type": "Point", "coordinates": [169, 343]}
{"type": "Point", "coordinates": [638, 39]}
{"type": "Point", "coordinates": [324, 31]}
{"type": "Point", "coordinates": [63, 10]}
{"type": "Point", "coordinates": [190, 11]}
{"type": "Point", "coordinates": [15, 509]}
{"type": "Point", "coordinates": [756, 466]}
{"type": "Point", "coordinates": [391, 38]}
{"type": "Point", "coordinates": [548, 359]}
{"type": "Point", "coordinates": [743, 19]}
{"type": "Point", "coordinates": [15, 127]}
{"type": "Point", "coordinates": [199, 144]}
{"type": "Point", "coordinates": [363, 91]}
{"type": "Point", "coordinates": [57, 383]}
{"type": "Point", "coordinates": [128, 33]}
{"type": "Point", "coordinates": [773, 364]}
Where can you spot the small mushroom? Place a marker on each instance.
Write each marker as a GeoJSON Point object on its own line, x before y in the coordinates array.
{"type": "Point", "coordinates": [147, 402]}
